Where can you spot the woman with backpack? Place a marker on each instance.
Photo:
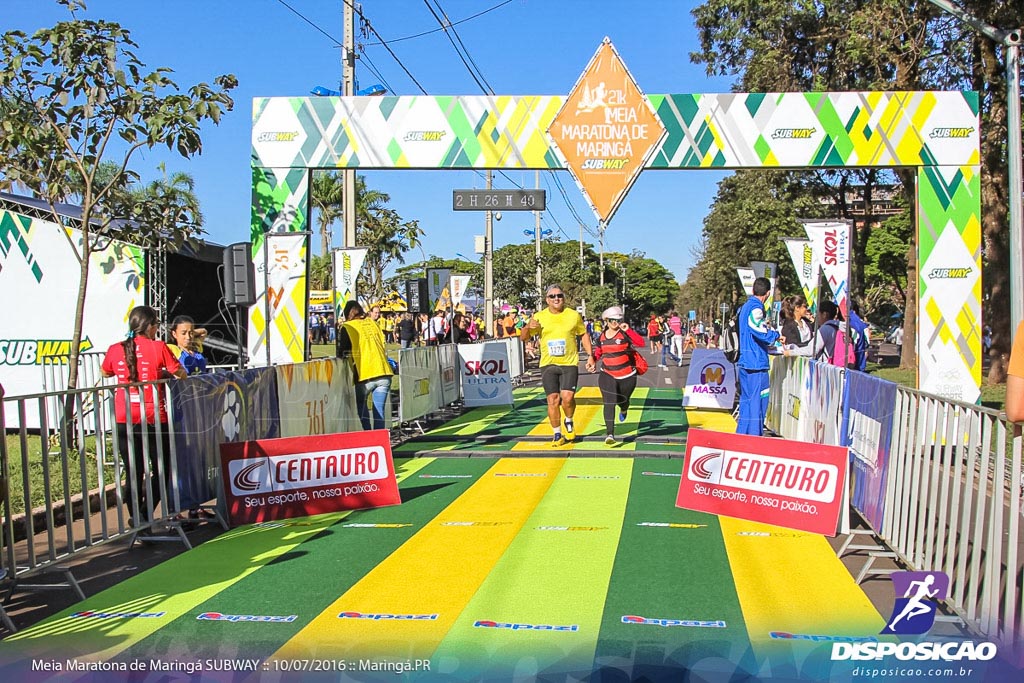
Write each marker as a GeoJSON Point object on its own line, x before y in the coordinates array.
{"type": "Point", "coordinates": [621, 365]}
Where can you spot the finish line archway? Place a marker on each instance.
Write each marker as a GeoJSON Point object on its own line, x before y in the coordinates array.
{"type": "Point", "coordinates": [936, 133]}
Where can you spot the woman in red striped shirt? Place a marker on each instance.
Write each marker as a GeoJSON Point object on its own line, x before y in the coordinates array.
{"type": "Point", "coordinates": [618, 372]}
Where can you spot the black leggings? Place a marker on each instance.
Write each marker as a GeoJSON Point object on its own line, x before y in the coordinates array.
{"type": "Point", "coordinates": [138, 485]}
{"type": "Point", "coordinates": [614, 392]}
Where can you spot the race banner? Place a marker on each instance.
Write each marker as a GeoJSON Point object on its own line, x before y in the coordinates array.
{"type": "Point", "coordinates": [773, 481]}
{"type": "Point", "coordinates": [747, 280]}
{"type": "Point", "coordinates": [486, 380]}
{"type": "Point", "coordinates": [806, 267]}
{"type": "Point", "coordinates": [867, 430]}
{"type": "Point", "coordinates": [212, 409]}
{"type": "Point", "coordinates": [317, 397]}
{"type": "Point", "coordinates": [437, 288]}
{"type": "Point", "coordinates": [765, 269]}
{"type": "Point", "coordinates": [711, 381]}
{"type": "Point", "coordinates": [419, 382]}
{"type": "Point", "coordinates": [830, 244]}
{"type": "Point", "coordinates": [272, 479]}
{"type": "Point", "coordinates": [820, 418]}
{"type": "Point", "coordinates": [448, 364]}
{"type": "Point", "coordinates": [277, 321]}
{"type": "Point", "coordinates": [459, 285]}
{"type": "Point", "coordinates": [347, 264]}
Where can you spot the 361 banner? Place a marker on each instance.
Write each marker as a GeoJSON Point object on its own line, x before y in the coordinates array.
{"type": "Point", "coordinates": [272, 479]}
{"type": "Point", "coordinates": [775, 481]}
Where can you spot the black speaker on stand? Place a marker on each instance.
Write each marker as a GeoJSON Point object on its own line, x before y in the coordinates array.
{"type": "Point", "coordinates": [239, 279]}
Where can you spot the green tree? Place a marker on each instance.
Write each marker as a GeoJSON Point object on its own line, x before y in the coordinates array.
{"type": "Point", "coordinates": [386, 236]}
{"type": "Point", "coordinates": [327, 197]}
{"type": "Point", "coordinates": [76, 96]}
{"type": "Point", "coordinates": [785, 45]}
{"type": "Point", "coordinates": [321, 272]}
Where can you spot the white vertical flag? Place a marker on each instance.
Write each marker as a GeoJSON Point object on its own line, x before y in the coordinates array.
{"type": "Point", "coordinates": [802, 254]}
{"type": "Point", "coordinates": [747, 280]}
{"type": "Point", "coordinates": [830, 242]}
{"type": "Point", "coordinates": [459, 285]}
{"type": "Point", "coordinates": [347, 264]}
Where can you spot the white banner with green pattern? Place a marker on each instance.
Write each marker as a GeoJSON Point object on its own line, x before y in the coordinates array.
{"type": "Point", "coordinates": [937, 132]}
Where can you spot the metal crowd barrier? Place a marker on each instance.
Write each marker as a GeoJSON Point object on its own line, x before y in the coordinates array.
{"type": "Point", "coordinates": [953, 504]}
{"type": "Point", "coordinates": [952, 493]}
{"type": "Point", "coordinates": [73, 454]}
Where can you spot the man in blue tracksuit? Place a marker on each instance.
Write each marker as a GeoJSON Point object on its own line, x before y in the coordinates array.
{"type": "Point", "coordinates": [752, 366]}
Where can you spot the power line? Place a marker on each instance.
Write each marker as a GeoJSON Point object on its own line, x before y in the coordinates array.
{"type": "Point", "coordinates": [337, 43]}
{"type": "Point", "coordinates": [437, 4]}
{"type": "Point", "coordinates": [487, 89]}
{"type": "Point", "coordinates": [451, 23]}
{"type": "Point", "coordinates": [367, 25]}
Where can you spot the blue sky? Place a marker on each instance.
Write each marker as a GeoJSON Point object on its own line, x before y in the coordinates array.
{"type": "Point", "coordinates": [525, 47]}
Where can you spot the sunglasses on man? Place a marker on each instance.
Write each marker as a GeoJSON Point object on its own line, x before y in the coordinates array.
{"type": "Point", "coordinates": [556, 296]}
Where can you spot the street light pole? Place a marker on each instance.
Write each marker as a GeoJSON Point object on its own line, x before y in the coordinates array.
{"type": "Point", "coordinates": [536, 242]}
{"type": "Point", "coordinates": [1011, 40]}
{"type": "Point", "coordinates": [488, 267]}
{"type": "Point", "coordinates": [348, 176]}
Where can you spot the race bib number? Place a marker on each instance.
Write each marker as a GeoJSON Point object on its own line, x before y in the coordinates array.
{"type": "Point", "coordinates": [556, 347]}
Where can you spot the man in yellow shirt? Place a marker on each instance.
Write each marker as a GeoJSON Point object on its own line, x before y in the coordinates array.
{"type": "Point", "coordinates": [559, 328]}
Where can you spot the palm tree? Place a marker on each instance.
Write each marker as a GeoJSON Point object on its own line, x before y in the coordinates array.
{"type": "Point", "coordinates": [328, 198]}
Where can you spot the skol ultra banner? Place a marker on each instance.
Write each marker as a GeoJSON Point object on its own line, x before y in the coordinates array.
{"type": "Point", "coordinates": [274, 479]}
{"type": "Point", "coordinates": [773, 481]}
{"type": "Point", "coordinates": [711, 381]}
{"type": "Point", "coordinates": [765, 269]}
{"type": "Point", "coordinates": [459, 285]}
{"type": "Point", "coordinates": [277, 321]}
{"type": "Point", "coordinates": [437, 288]}
{"type": "Point", "coordinates": [830, 243]}
{"type": "Point", "coordinates": [747, 278]}
{"type": "Point", "coordinates": [802, 255]}
{"type": "Point", "coordinates": [347, 264]}
{"type": "Point", "coordinates": [486, 380]}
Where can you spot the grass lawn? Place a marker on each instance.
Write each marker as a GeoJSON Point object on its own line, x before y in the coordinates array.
{"type": "Point", "coordinates": [992, 396]}
{"type": "Point", "coordinates": [35, 471]}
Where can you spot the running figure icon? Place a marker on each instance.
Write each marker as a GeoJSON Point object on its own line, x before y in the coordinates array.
{"type": "Point", "coordinates": [918, 593]}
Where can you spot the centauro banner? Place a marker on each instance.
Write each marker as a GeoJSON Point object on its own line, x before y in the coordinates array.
{"type": "Point", "coordinates": [39, 268]}
{"type": "Point", "coordinates": [347, 264]}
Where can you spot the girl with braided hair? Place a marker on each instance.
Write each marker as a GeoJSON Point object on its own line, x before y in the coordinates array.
{"type": "Point", "coordinates": [141, 357]}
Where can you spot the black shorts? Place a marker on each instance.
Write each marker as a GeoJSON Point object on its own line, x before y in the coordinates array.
{"type": "Point", "coordinates": [558, 378]}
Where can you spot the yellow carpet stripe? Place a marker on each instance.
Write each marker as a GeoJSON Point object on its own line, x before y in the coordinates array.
{"type": "Point", "coordinates": [437, 571]}
{"type": "Point", "coordinates": [716, 421]}
{"type": "Point", "coordinates": [791, 581]}
{"type": "Point", "coordinates": [559, 574]}
{"type": "Point", "coordinates": [588, 405]}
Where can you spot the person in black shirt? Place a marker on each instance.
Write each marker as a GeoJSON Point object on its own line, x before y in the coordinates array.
{"type": "Point", "coordinates": [406, 331]}
{"type": "Point", "coordinates": [459, 333]}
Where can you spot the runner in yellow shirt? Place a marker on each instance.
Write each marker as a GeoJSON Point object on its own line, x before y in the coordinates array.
{"type": "Point", "coordinates": [559, 328]}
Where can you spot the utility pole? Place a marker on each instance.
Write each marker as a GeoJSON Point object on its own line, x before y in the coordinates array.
{"type": "Point", "coordinates": [623, 267]}
{"type": "Point", "coordinates": [600, 237]}
{"type": "Point", "coordinates": [1011, 41]}
{"type": "Point", "coordinates": [536, 240]}
{"type": "Point", "coordinates": [348, 176]}
{"type": "Point", "coordinates": [488, 267]}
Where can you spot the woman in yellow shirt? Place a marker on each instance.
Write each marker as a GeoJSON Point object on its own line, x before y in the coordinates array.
{"type": "Point", "coordinates": [361, 339]}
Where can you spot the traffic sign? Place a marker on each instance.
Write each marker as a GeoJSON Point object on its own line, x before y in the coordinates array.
{"type": "Point", "coordinates": [498, 200]}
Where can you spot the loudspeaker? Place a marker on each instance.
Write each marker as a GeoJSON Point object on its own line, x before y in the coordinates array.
{"type": "Point", "coordinates": [416, 297]}
{"type": "Point", "coordinates": [239, 275]}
